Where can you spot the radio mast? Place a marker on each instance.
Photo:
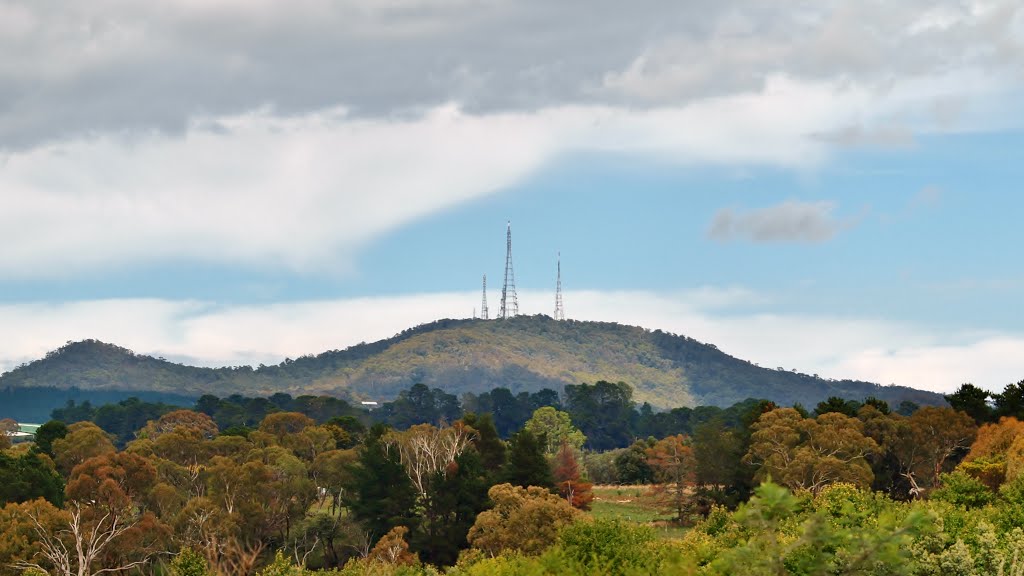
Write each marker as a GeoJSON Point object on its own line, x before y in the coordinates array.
{"type": "Point", "coordinates": [509, 302]}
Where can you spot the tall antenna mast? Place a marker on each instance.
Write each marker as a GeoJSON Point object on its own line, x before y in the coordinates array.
{"type": "Point", "coordinates": [559, 309]}
{"type": "Point", "coordinates": [509, 302]}
{"type": "Point", "coordinates": [483, 305]}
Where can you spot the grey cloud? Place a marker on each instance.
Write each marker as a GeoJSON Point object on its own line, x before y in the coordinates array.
{"type": "Point", "coordinates": [74, 68]}
{"type": "Point", "coordinates": [791, 221]}
{"type": "Point", "coordinates": [857, 136]}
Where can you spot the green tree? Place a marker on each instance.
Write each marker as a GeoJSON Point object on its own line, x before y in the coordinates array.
{"type": "Point", "coordinates": [188, 562]}
{"type": "Point", "coordinates": [29, 476]}
{"type": "Point", "coordinates": [486, 441]}
{"type": "Point", "coordinates": [380, 495]}
{"type": "Point", "coordinates": [837, 404]}
{"type": "Point", "coordinates": [604, 412]}
{"type": "Point", "coordinates": [556, 428]}
{"type": "Point", "coordinates": [527, 465]}
{"type": "Point", "coordinates": [972, 400]}
{"type": "Point", "coordinates": [48, 433]}
{"type": "Point", "coordinates": [456, 496]}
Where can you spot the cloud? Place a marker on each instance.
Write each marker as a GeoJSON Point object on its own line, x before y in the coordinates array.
{"type": "Point", "coordinates": [72, 69]}
{"type": "Point", "coordinates": [858, 136]}
{"type": "Point", "coordinates": [791, 221]}
{"type": "Point", "coordinates": [305, 193]}
{"type": "Point", "coordinates": [213, 334]}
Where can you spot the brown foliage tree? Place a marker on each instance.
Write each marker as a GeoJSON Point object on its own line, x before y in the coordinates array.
{"type": "Point", "coordinates": [185, 422]}
{"type": "Point", "coordinates": [567, 479]}
{"type": "Point", "coordinates": [8, 427]}
{"type": "Point", "coordinates": [674, 467]}
{"type": "Point", "coordinates": [927, 440]}
{"type": "Point", "coordinates": [393, 549]}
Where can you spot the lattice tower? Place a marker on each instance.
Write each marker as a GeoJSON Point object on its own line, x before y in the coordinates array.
{"type": "Point", "coordinates": [559, 307]}
{"type": "Point", "coordinates": [509, 302]}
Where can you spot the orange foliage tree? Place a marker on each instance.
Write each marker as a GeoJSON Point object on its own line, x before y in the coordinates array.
{"type": "Point", "coordinates": [567, 479]}
{"type": "Point", "coordinates": [674, 467]}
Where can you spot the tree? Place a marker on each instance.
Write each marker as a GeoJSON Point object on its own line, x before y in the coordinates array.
{"type": "Point", "coordinates": [486, 441]}
{"type": "Point", "coordinates": [393, 549]}
{"type": "Point", "coordinates": [83, 441]}
{"type": "Point", "coordinates": [556, 428]}
{"type": "Point", "coordinates": [718, 453]}
{"type": "Point", "coordinates": [927, 440]}
{"type": "Point", "coordinates": [380, 495]}
{"type": "Point", "coordinates": [281, 424]}
{"type": "Point", "coordinates": [425, 450]}
{"type": "Point", "coordinates": [973, 401]}
{"type": "Point", "coordinates": [29, 476]}
{"type": "Point", "coordinates": [567, 479]}
{"type": "Point", "coordinates": [526, 464]}
{"type": "Point", "coordinates": [19, 541]}
{"type": "Point", "coordinates": [526, 520]}
{"type": "Point", "coordinates": [48, 433]}
{"type": "Point", "coordinates": [837, 404]}
{"type": "Point", "coordinates": [78, 547]}
{"type": "Point", "coordinates": [604, 412]}
{"type": "Point", "coordinates": [188, 562]}
{"type": "Point", "coordinates": [8, 428]}
{"type": "Point", "coordinates": [810, 453]}
{"type": "Point", "coordinates": [1010, 402]}
{"type": "Point", "coordinates": [631, 465]}
{"type": "Point", "coordinates": [673, 463]}
{"type": "Point", "coordinates": [331, 471]}
{"type": "Point", "coordinates": [456, 496]}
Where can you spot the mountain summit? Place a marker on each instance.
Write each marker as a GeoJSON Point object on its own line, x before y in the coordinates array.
{"type": "Point", "coordinates": [524, 353]}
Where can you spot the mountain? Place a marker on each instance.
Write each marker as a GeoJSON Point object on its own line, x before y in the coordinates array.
{"type": "Point", "coordinates": [525, 353]}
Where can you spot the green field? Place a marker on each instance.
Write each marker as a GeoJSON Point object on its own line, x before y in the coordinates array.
{"type": "Point", "coordinates": [633, 504]}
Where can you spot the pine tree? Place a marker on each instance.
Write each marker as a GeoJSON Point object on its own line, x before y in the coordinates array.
{"type": "Point", "coordinates": [488, 443]}
{"type": "Point", "coordinates": [456, 496]}
{"type": "Point", "coordinates": [380, 494]}
{"type": "Point", "coordinates": [526, 464]}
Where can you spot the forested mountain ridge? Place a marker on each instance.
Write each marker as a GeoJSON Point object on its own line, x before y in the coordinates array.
{"type": "Point", "coordinates": [525, 353]}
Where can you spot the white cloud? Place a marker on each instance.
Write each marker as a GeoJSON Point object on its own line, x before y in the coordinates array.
{"type": "Point", "coordinates": [304, 193]}
{"type": "Point", "coordinates": [869, 349]}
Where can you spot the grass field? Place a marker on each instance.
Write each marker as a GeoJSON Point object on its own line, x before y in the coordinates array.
{"type": "Point", "coordinates": [632, 503]}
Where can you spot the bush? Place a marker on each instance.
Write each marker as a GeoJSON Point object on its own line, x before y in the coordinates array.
{"type": "Point", "coordinates": [608, 546]}
{"type": "Point", "coordinates": [961, 489]}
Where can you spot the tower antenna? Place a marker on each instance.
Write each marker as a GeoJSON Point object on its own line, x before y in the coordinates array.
{"type": "Point", "coordinates": [483, 305]}
{"type": "Point", "coordinates": [559, 308]}
{"type": "Point", "coordinates": [509, 302]}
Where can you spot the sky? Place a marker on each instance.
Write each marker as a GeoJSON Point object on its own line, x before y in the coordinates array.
{"type": "Point", "coordinates": [823, 185]}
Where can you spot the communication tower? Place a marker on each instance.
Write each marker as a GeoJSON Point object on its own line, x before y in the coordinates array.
{"type": "Point", "coordinates": [483, 304]}
{"type": "Point", "coordinates": [509, 302]}
{"type": "Point", "coordinates": [559, 308]}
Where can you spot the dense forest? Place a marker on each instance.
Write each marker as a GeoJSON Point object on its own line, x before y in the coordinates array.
{"type": "Point", "coordinates": [523, 354]}
{"type": "Point", "coordinates": [423, 485]}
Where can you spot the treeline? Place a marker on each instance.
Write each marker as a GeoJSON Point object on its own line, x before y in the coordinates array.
{"type": "Point", "coordinates": [850, 488]}
{"type": "Point", "coordinates": [604, 411]}
{"type": "Point", "coordinates": [36, 404]}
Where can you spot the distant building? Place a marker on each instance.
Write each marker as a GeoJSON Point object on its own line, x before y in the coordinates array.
{"type": "Point", "coordinates": [25, 433]}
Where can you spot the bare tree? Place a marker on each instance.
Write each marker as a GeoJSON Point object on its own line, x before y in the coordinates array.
{"type": "Point", "coordinates": [425, 449]}
{"type": "Point", "coordinates": [75, 549]}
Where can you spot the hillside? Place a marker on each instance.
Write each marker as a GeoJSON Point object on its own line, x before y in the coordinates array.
{"type": "Point", "coordinates": [524, 353]}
